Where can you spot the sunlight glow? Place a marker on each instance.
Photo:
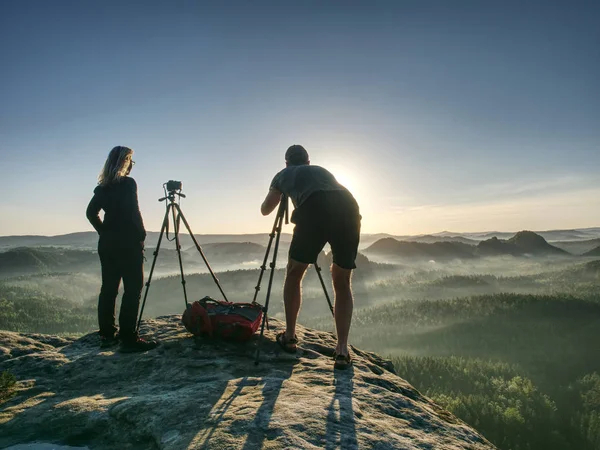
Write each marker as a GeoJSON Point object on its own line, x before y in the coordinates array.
{"type": "Point", "coordinates": [348, 178]}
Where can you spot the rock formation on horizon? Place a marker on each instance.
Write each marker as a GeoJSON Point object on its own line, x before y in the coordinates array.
{"type": "Point", "coordinates": [410, 249]}
{"type": "Point", "coordinates": [522, 243]}
{"type": "Point", "coordinates": [196, 393]}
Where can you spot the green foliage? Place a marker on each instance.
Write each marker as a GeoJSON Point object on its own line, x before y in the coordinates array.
{"type": "Point", "coordinates": [76, 287]}
{"type": "Point", "coordinates": [541, 334]}
{"type": "Point", "coordinates": [24, 310]}
{"type": "Point", "coordinates": [28, 260]}
{"type": "Point", "coordinates": [585, 411]}
{"type": "Point", "coordinates": [579, 280]}
{"type": "Point", "coordinates": [7, 383]}
{"type": "Point", "coordinates": [503, 405]}
{"type": "Point", "coordinates": [588, 389]}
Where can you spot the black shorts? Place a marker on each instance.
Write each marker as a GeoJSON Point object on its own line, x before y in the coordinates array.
{"type": "Point", "coordinates": [327, 217]}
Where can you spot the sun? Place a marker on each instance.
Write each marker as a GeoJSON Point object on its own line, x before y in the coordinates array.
{"type": "Point", "coordinates": [348, 178]}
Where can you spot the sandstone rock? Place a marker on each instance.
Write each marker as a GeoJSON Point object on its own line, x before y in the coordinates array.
{"type": "Point", "coordinates": [195, 393]}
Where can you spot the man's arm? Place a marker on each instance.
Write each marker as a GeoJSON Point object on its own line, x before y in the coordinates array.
{"type": "Point", "coordinates": [271, 202]}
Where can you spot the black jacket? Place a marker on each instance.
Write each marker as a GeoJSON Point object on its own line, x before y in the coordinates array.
{"type": "Point", "coordinates": [122, 218]}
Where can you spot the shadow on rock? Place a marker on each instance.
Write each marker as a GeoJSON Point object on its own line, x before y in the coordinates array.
{"type": "Point", "coordinates": [341, 427]}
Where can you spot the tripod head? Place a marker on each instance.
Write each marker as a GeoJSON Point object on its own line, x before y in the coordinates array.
{"type": "Point", "coordinates": [172, 188]}
{"type": "Point", "coordinates": [171, 197]}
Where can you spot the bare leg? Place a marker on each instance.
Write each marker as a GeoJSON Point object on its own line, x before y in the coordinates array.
{"type": "Point", "coordinates": [344, 304]}
{"type": "Point", "coordinates": [292, 295]}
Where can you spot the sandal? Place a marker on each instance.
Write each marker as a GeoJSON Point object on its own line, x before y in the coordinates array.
{"type": "Point", "coordinates": [288, 345]}
{"type": "Point", "coordinates": [342, 361]}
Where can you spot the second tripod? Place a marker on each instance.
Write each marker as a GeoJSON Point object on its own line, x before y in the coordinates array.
{"type": "Point", "coordinates": [276, 234]}
{"type": "Point", "coordinates": [174, 210]}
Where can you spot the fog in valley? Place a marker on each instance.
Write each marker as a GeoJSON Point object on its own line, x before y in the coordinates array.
{"type": "Point", "coordinates": [390, 269]}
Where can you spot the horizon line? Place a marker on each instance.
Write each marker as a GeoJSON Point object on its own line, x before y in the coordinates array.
{"type": "Point", "coordinates": [362, 234]}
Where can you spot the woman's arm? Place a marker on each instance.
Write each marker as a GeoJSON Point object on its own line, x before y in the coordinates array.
{"type": "Point", "coordinates": [136, 213]}
{"type": "Point", "coordinates": [93, 211]}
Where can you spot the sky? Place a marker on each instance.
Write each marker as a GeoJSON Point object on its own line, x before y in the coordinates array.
{"type": "Point", "coordinates": [461, 116]}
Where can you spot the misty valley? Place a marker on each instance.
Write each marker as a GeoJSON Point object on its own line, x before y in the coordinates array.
{"type": "Point", "coordinates": [502, 329]}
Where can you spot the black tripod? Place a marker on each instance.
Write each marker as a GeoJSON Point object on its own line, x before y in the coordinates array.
{"type": "Point", "coordinates": [177, 215]}
{"type": "Point", "coordinates": [276, 233]}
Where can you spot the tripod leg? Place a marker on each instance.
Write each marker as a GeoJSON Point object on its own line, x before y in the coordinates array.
{"type": "Point", "coordinates": [162, 230]}
{"type": "Point", "coordinates": [318, 269]}
{"type": "Point", "coordinates": [178, 245]}
{"type": "Point", "coordinates": [201, 252]}
{"type": "Point", "coordinates": [264, 264]}
{"type": "Point", "coordinates": [279, 224]}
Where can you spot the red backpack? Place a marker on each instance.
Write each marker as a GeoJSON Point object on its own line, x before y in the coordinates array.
{"type": "Point", "coordinates": [220, 319]}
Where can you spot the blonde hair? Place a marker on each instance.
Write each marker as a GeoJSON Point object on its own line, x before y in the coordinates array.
{"type": "Point", "coordinates": [116, 165]}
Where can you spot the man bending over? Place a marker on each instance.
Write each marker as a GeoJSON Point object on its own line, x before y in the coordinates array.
{"type": "Point", "coordinates": [325, 212]}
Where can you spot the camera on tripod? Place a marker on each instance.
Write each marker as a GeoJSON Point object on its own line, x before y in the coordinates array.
{"type": "Point", "coordinates": [173, 193]}
{"type": "Point", "coordinates": [173, 185]}
{"type": "Point", "coordinates": [172, 190]}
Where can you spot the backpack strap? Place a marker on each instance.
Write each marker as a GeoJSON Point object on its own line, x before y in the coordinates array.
{"type": "Point", "coordinates": [202, 322]}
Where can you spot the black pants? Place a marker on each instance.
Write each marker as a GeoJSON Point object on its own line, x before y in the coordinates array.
{"type": "Point", "coordinates": [120, 261]}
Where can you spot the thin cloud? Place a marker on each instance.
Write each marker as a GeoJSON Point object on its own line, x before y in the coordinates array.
{"type": "Point", "coordinates": [543, 186]}
{"type": "Point", "coordinates": [572, 209]}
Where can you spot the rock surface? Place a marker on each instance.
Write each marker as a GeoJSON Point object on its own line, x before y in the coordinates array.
{"type": "Point", "coordinates": [194, 393]}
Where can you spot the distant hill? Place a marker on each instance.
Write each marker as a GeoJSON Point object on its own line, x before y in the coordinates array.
{"type": "Point", "coordinates": [89, 239]}
{"type": "Point", "coordinates": [533, 243]}
{"type": "Point", "coordinates": [593, 252]}
{"type": "Point", "coordinates": [578, 247]}
{"type": "Point", "coordinates": [570, 235]}
{"type": "Point", "coordinates": [362, 262]}
{"type": "Point", "coordinates": [86, 239]}
{"type": "Point", "coordinates": [489, 235]}
{"type": "Point", "coordinates": [432, 238]}
{"type": "Point", "coordinates": [368, 239]}
{"type": "Point", "coordinates": [404, 249]}
{"type": "Point", "coordinates": [522, 243]}
{"type": "Point", "coordinates": [579, 234]}
{"type": "Point", "coordinates": [495, 246]}
{"type": "Point", "coordinates": [22, 261]}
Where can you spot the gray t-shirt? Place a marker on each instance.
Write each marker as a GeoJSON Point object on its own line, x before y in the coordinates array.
{"type": "Point", "coordinates": [300, 182]}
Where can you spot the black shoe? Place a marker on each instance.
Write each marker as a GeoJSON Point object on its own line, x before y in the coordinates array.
{"type": "Point", "coordinates": [137, 345]}
{"type": "Point", "coordinates": [109, 341]}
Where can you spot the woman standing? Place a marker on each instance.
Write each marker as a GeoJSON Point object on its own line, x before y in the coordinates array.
{"type": "Point", "coordinates": [121, 250]}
